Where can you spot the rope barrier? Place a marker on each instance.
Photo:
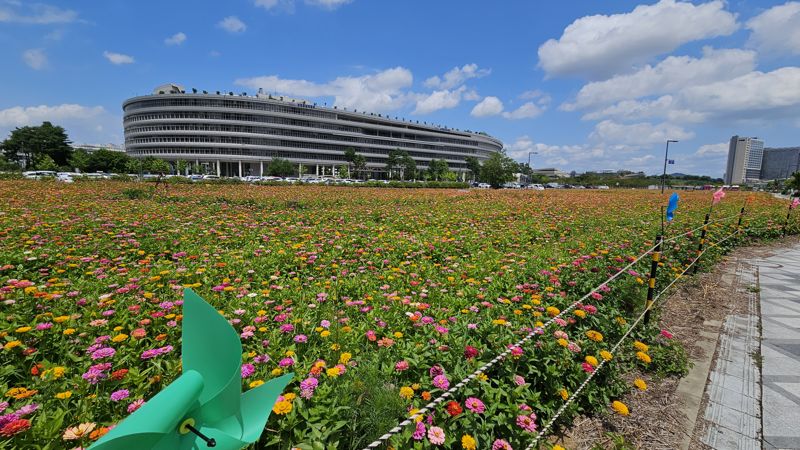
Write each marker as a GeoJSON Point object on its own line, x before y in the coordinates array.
{"type": "Point", "coordinates": [577, 392]}
{"type": "Point", "coordinates": [675, 238]}
{"type": "Point", "coordinates": [538, 330]}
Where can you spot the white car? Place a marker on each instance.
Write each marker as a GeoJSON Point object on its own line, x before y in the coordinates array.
{"type": "Point", "coordinates": [484, 186]}
{"type": "Point", "coordinates": [39, 174]}
{"type": "Point", "coordinates": [65, 177]}
{"type": "Point", "coordinates": [536, 187]}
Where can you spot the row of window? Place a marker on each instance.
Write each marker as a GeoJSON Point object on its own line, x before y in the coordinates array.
{"type": "Point", "coordinates": [210, 115]}
{"type": "Point", "coordinates": [263, 153]}
{"type": "Point", "coordinates": [222, 128]}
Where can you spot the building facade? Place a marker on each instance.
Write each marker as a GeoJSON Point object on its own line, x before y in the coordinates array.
{"type": "Point", "coordinates": [238, 135]}
{"type": "Point", "coordinates": [780, 163]}
{"type": "Point", "coordinates": [744, 160]}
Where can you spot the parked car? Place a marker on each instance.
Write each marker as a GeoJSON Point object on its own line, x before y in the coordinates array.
{"type": "Point", "coordinates": [535, 187]}
{"type": "Point", "coordinates": [39, 174]}
{"type": "Point", "coordinates": [65, 177]}
{"type": "Point", "coordinates": [484, 186]}
{"type": "Point", "coordinates": [553, 186]}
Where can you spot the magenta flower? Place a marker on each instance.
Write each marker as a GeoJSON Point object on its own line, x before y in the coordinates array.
{"type": "Point", "coordinates": [105, 352]}
{"type": "Point", "coordinates": [286, 362]}
{"type": "Point", "coordinates": [527, 423]}
{"type": "Point", "coordinates": [518, 380]}
{"type": "Point", "coordinates": [301, 338]}
{"type": "Point", "coordinates": [441, 382]}
{"type": "Point", "coordinates": [501, 444]}
{"type": "Point", "coordinates": [475, 405]}
{"type": "Point", "coordinates": [436, 370]}
{"type": "Point", "coordinates": [247, 370]}
{"type": "Point", "coordinates": [136, 404]}
{"type": "Point", "coordinates": [588, 368]}
{"type": "Point", "coordinates": [401, 366]}
{"type": "Point", "coordinates": [121, 394]}
{"type": "Point", "coordinates": [419, 432]}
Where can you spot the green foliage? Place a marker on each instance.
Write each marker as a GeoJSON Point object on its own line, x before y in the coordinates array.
{"type": "Point", "coordinates": [343, 171]}
{"type": "Point", "coordinates": [437, 169]}
{"type": "Point", "coordinates": [359, 165]}
{"type": "Point", "coordinates": [134, 193]}
{"type": "Point", "coordinates": [158, 166]}
{"type": "Point", "coordinates": [30, 144]}
{"type": "Point", "coordinates": [670, 360]}
{"type": "Point", "coordinates": [498, 169]}
{"type": "Point", "coordinates": [107, 161]}
{"type": "Point", "coordinates": [794, 181]}
{"type": "Point", "coordinates": [79, 160]}
{"type": "Point", "coordinates": [409, 167]}
{"type": "Point", "coordinates": [474, 166]}
{"type": "Point", "coordinates": [279, 167]}
{"type": "Point", "coordinates": [45, 162]}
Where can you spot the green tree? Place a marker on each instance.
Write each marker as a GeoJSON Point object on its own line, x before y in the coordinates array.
{"type": "Point", "coordinates": [474, 166]}
{"type": "Point", "coordinates": [79, 160]}
{"type": "Point", "coordinates": [158, 166]}
{"type": "Point", "coordinates": [45, 162]}
{"type": "Point", "coordinates": [409, 166]}
{"type": "Point", "coordinates": [29, 144]}
{"type": "Point", "coordinates": [107, 161]}
{"type": "Point", "coordinates": [359, 165]}
{"type": "Point", "coordinates": [344, 171]}
{"type": "Point", "coordinates": [134, 166]}
{"type": "Point", "coordinates": [498, 169]}
{"type": "Point", "coordinates": [794, 182]}
{"type": "Point", "coordinates": [392, 162]}
{"type": "Point", "coordinates": [350, 157]}
{"type": "Point", "coordinates": [279, 167]}
{"type": "Point", "coordinates": [437, 169]}
{"type": "Point", "coordinates": [181, 167]}
{"type": "Point", "coordinates": [6, 165]}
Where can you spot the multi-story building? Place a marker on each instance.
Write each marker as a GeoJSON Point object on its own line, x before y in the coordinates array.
{"type": "Point", "coordinates": [780, 163]}
{"type": "Point", "coordinates": [745, 155]}
{"type": "Point", "coordinates": [238, 135]}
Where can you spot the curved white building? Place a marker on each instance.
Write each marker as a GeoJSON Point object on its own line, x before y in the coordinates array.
{"type": "Point", "coordinates": [237, 135]}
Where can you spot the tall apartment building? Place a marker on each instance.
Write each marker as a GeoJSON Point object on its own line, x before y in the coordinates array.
{"type": "Point", "coordinates": [745, 155]}
{"type": "Point", "coordinates": [780, 163]}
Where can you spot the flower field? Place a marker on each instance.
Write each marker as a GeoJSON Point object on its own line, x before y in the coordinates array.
{"type": "Point", "coordinates": [378, 300]}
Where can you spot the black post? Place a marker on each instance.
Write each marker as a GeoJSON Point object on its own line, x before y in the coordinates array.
{"type": "Point", "coordinates": [651, 287]}
{"type": "Point", "coordinates": [702, 241]}
{"type": "Point", "coordinates": [741, 215]}
{"type": "Point", "coordinates": [786, 223]}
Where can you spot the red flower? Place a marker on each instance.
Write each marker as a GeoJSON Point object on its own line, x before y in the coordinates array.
{"type": "Point", "coordinates": [14, 427]}
{"type": "Point", "coordinates": [470, 352]}
{"type": "Point", "coordinates": [453, 408]}
{"type": "Point", "coordinates": [119, 374]}
{"type": "Point", "coordinates": [37, 369]}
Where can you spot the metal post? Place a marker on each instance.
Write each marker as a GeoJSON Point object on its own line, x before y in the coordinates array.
{"type": "Point", "coordinates": [702, 241]}
{"type": "Point", "coordinates": [664, 175]}
{"type": "Point", "coordinates": [741, 215]}
{"type": "Point", "coordinates": [786, 223]}
{"type": "Point", "coordinates": [651, 287]}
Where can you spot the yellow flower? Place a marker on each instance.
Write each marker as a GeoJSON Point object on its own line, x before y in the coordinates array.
{"type": "Point", "coordinates": [57, 372]}
{"type": "Point", "coordinates": [78, 432]}
{"type": "Point", "coordinates": [69, 331]}
{"type": "Point", "coordinates": [641, 346]}
{"type": "Point", "coordinates": [594, 335]}
{"type": "Point", "coordinates": [60, 319]}
{"type": "Point", "coordinates": [621, 321]}
{"type": "Point", "coordinates": [335, 347]}
{"type": "Point", "coordinates": [620, 408]}
{"type": "Point", "coordinates": [277, 371]}
{"type": "Point", "coordinates": [20, 392]}
{"type": "Point", "coordinates": [580, 313]}
{"type": "Point", "coordinates": [64, 395]}
{"type": "Point", "coordinates": [639, 383]}
{"type": "Point", "coordinates": [558, 447]}
{"type": "Point", "coordinates": [606, 355]}
{"type": "Point", "coordinates": [325, 333]}
{"type": "Point", "coordinates": [563, 342]}
{"type": "Point", "coordinates": [256, 383]}
{"type": "Point", "coordinates": [289, 353]}
{"type": "Point", "coordinates": [282, 407]}
{"type": "Point", "coordinates": [564, 394]}
{"type": "Point", "coordinates": [406, 392]}
{"type": "Point", "coordinates": [347, 329]}
{"type": "Point", "coordinates": [290, 396]}
{"type": "Point", "coordinates": [468, 442]}
{"type": "Point", "coordinates": [398, 335]}
{"type": "Point", "coordinates": [23, 329]}
{"type": "Point", "coordinates": [417, 418]}
{"type": "Point", "coordinates": [591, 360]}
{"type": "Point", "coordinates": [333, 372]}
{"type": "Point", "coordinates": [643, 357]}
{"type": "Point", "coordinates": [344, 358]}
{"type": "Point", "coordinates": [12, 344]}
{"type": "Point", "coordinates": [120, 337]}
{"type": "Point", "coordinates": [552, 311]}
{"type": "Point", "coordinates": [482, 376]}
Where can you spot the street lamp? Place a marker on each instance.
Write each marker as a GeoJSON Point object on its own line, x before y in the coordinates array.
{"type": "Point", "coordinates": [664, 175]}
{"type": "Point", "coordinates": [529, 157]}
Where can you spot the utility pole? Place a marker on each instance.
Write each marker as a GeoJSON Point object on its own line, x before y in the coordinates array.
{"type": "Point", "coordinates": [664, 175]}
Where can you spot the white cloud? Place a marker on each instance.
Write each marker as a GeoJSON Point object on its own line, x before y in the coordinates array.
{"type": "Point", "coordinates": [777, 30]}
{"type": "Point", "coordinates": [175, 39]}
{"type": "Point", "coordinates": [528, 110]}
{"type": "Point", "coordinates": [35, 58]}
{"type": "Point", "coordinates": [638, 134]}
{"type": "Point", "coordinates": [437, 100]}
{"type": "Point", "coordinates": [383, 91]}
{"type": "Point", "coordinates": [715, 150]}
{"type": "Point", "coordinates": [670, 75]}
{"type": "Point", "coordinates": [489, 106]}
{"type": "Point", "coordinates": [666, 107]}
{"type": "Point", "coordinates": [275, 5]}
{"type": "Point", "coordinates": [472, 95]}
{"type": "Point", "coordinates": [118, 58]}
{"type": "Point", "coordinates": [33, 115]}
{"type": "Point", "coordinates": [456, 76]}
{"type": "Point", "coordinates": [232, 24]}
{"type": "Point", "coordinates": [599, 46]}
{"type": "Point", "coordinates": [35, 13]}
{"type": "Point", "coordinates": [328, 4]}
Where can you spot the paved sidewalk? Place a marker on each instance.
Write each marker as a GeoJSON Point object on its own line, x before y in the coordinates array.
{"type": "Point", "coordinates": [779, 278]}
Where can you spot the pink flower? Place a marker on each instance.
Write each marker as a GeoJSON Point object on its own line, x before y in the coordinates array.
{"type": "Point", "coordinates": [475, 405]}
{"type": "Point", "coordinates": [419, 432]}
{"type": "Point", "coordinates": [587, 367]}
{"type": "Point", "coordinates": [666, 334]}
{"type": "Point", "coordinates": [122, 394]}
{"type": "Point", "coordinates": [135, 405]}
{"type": "Point", "coordinates": [247, 370]}
{"type": "Point", "coordinates": [401, 366]}
{"type": "Point", "coordinates": [501, 444]}
{"type": "Point", "coordinates": [441, 382]}
{"type": "Point", "coordinates": [105, 352]}
{"type": "Point", "coordinates": [436, 370]}
{"type": "Point", "coordinates": [470, 352]}
{"type": "Point", "coordinates": [436, 435]}
{"type": "Point", "coordinates": [597, 296]}
{"type": "Point", "coordinates": [527, 423]}
{"type": "Point", "coordinates": [518, 380]}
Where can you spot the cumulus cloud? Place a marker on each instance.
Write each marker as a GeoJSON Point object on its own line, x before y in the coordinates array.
{"type": "Point", "coordinates": [328, 4]}
{"type": "Point", "coordinates": [35, 13]}
{"type": "Point", "coordinates": [638, 134]}
{"type": "Point", "coordinates": [175, 39]}
{"type": "Point", "coordinates": [489, 106]}
{"type": "Point", "coordinates": [715, 150]}
{"type": "Point", "coordinates": [456, 76]}
{"type": "Point", "coordinates": [84, 124]}
{"type": "Point", "coordinates": [437, 100]}
{"type": "Point", "coordinates": [118, 58]}
{"type": "Point", "coordinates": [602, 45]}
{"type": "Point", "coordinates": [232, 24]}
{"type": "Point", "coordinates": [35, 58]}
{"type": "Point", "coordinates": [777, 30]}
{"type": "Point", "coordinates": [666, 107]}
{"type": "Point", "coordinates": [383, 91]}
{"type": "Point", "coordinates": [670, 75]}
{"type": "Point", "coordinates": [528, 110]}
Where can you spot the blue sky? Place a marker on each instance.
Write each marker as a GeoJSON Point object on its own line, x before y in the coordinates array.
{"type": "Point", "coordinates": [585, 84]}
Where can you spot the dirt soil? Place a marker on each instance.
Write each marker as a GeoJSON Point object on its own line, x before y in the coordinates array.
{"type": "Point", "coordinates": [655, 421]}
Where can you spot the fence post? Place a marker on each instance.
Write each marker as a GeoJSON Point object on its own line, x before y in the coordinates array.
{"type": "Point", "coordinates": [651, 282]}
{"type": "Point", "coordinates": [786, 223]}
{"type": "Point", "coordinates": [702, 241]}
{"type": "Point", "coordinates": [741, 215]}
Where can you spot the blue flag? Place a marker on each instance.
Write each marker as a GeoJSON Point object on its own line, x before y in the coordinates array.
{"type": "Point", "coordinates": [672, 206]}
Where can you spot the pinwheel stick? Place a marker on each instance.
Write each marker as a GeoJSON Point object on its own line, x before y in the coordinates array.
{"type": "Point", "coordinates": [211, 442]}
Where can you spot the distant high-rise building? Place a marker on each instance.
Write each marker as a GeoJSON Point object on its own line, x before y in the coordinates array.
{"type": "Point", "coordinates": [780, 163]}
{"type": "Point", "coordinates": [744, 160]}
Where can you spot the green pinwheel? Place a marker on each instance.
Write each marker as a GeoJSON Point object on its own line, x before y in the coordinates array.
{"type": "Point", "coordinates": [205, 406]}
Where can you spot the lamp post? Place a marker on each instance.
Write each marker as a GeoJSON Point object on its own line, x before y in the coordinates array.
{"type": "Point", "coordinates": [664, 175]}
{"type": "Point", "coordinates": [529, 157]}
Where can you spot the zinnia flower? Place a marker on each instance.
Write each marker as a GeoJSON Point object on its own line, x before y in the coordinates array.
{"type": "Point", "coordinates": [475, 405]}
{"type": "Point", "coordinates": [78, 432]}
{"type": "Point", "coordinates": [453, 408]}
{"type": "Point", "coordinates": [436, 435]}
{"type": "Point", "coordinates": [639, 383]}
{"type": "Point", "coordinates": [643, 357]}
{"type": "Point", "coordinates": [527, 423]}
{"type": "Point", "coordinates": [501, 444]}
{"type": "Point", "coordinates": [441, 382]}
{"type": "Point", "coordinates": [468, 442]}
{"type": "Point", "coordinates": [620, 408]}
{"type": "Point", "coordinates": [119, 395]}
{"type": "Point", "coordinates": [15, 427]}
{"type": "Point", "coordinates": [419, 432]}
